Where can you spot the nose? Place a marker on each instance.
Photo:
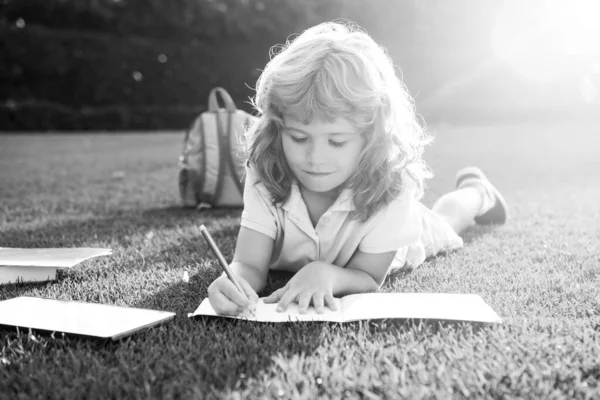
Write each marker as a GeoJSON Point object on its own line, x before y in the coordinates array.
{"type": "Point", "coordinates": [316, 153]}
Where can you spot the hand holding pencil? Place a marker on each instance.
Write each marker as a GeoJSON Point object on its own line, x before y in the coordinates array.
{"type": "Point", "coordinates": [229, 294]}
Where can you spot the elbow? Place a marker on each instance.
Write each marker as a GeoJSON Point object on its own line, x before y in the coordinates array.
{"type": "Point", "coordinates": [377, 283]}
{"type": "Point", "coordinates": [373, 283]}
{"type": "Point", "coordinates": [256, 277]}
{"type": "Point", "coordinates": [368, 282]}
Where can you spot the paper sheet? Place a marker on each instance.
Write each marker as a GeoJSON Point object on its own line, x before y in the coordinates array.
{"type": "Point", "coordinates": [50, 257]}
{"type": "Point", "coordinates": [439, 306]}
{"type": "Point", "coordinates": [81, 318]}
{"type": "Point", "coordinates": [365, 306]}
{"type": "Point", "coordinates": [267, 313]}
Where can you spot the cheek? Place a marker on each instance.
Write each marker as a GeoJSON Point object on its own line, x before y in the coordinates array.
{"type": "Point", "coordinates": [290, 152]}
{"type": "Point", "coordinates": [353, 155]}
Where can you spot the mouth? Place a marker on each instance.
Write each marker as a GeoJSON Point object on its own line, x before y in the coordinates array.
{"type": "Point", "coordinates": [311, 173]}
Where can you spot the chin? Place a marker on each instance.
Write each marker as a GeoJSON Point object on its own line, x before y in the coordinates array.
{"type": "Point", "coordinates": [320, 187]}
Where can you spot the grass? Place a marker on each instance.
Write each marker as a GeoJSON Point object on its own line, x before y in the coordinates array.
{"type": "Point", "coordinates": [540, 272]}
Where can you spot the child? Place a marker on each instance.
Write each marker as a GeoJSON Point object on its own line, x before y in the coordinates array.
{"type": "Point", "coordinates": [334, 176]}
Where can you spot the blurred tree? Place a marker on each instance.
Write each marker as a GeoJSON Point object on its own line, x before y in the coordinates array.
{"type": "Point", "coordinates": [151, 63]}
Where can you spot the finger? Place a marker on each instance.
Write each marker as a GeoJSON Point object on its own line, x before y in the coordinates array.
{"type": "Point", "coordinates": [275, 296]}
{"type": "Point", "coordinates": [330, 302]}
{"type": "Point", "coordinates": [249, 290]}
{"type": "Point", "coordinates": [318, 302]}
{"type": "Point", "coordinates": [233, 293]}
{"type": "Point", "coordinates": [223, 305]}
{"type": "Point", "coordinates": [304, 301]}
{"type": "Point", "coordinates": [285, 300]}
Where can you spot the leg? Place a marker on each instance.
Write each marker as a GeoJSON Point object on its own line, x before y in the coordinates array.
{"type": "Point", "coordinates": [475, 200]}
{"type": "Point", "coordinates": [459, 207]}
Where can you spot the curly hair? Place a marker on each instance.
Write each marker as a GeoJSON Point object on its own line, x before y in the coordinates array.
{"type": "Point", "coordinates": [336, 70]}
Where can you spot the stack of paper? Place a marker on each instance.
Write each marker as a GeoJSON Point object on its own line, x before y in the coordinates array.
{"type": "Point", "coordinates": [31, 265]}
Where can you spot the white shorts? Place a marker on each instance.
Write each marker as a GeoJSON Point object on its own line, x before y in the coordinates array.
{"type": "Point", "coordinates": [437, 237]}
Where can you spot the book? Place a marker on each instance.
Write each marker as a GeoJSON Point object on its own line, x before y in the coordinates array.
{"type": "Point", "coordinates": [26, 274]}
{"type": "Point", "coordinates": [40, 264]}
{"type": "Point", "coordinates": [78, 318]}
{"type": "Point", "coordinates": [366, 306]}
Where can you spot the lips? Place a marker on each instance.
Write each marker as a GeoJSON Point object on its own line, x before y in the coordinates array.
{"type": "Point", "coordinates": [317, 173]}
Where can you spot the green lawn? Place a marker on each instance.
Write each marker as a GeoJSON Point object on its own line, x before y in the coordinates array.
{"type": "Point", "coordinates": [540, 272]}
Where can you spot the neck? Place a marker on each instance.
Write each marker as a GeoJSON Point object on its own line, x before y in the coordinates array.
{"type": "Point", "coordinates": [323, 197]}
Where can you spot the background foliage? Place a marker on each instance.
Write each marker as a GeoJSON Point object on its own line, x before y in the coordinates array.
{"type": "Point", "coordinates": [149, 64]}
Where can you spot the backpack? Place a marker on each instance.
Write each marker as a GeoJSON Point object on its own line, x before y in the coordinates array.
{"type": "Point", "coordinates": [211, 165]}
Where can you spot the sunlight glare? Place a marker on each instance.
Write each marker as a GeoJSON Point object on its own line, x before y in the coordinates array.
{"type": "Point", "coordinates": [537, 38]}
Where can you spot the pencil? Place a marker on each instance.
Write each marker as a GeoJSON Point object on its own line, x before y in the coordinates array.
{"type": "Point", "coordinates": [222, 261]}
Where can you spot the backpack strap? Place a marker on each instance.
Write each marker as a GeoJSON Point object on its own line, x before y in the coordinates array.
{"type": "Point", "coordinates": [227, 139]}
{"type": "Point", "coordinates": [223, 155]}
{"type": "Point", "coordinates": [212, 151]}
{"type": "Point", "coordinates": [213, 104]}
{"type": "Point", "coordinates": [223, 145]}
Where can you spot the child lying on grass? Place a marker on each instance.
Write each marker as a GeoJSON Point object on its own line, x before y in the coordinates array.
{"type": "Point", "coordinates": [334, 176]}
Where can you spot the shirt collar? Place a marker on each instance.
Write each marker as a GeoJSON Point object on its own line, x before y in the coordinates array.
{"type": "Point", "coordinates": [344, 201]}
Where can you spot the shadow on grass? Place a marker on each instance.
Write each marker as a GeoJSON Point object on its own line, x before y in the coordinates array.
{"type": "Point", "coordinates": [223, 353]}
{"type": "Point", "coordinates": [477, 231]}
{"type": "Point", "coordinates": [78, 232]}
{"type": "Point", "coordinates": [124, 231]}
{"type": "Point", "coordinates": [214, 354]}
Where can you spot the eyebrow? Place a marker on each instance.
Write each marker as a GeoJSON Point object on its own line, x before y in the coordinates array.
{"type": "Point", "coordinates": [291, 128]}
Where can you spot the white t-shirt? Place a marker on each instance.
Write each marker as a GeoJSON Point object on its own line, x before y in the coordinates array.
{"type": "Point", "coordinates": [336, 237]}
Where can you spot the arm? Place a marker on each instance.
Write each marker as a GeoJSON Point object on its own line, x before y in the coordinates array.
{"type": "Point", "coordinates": [250, 264]}
{"type": "Point", "coordinates": [252, 256]}
{"type": "Point", "coordinates": [317, 282]}
{"type": "Point", "coordinates": [373, 269]}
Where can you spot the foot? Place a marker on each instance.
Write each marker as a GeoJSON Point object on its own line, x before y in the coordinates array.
{"type": "Point", "coordinates": [494, 209]}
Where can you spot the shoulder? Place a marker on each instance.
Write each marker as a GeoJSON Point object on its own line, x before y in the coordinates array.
{"type": "Point", "coordinates": [253, 183]}
{"type": "Point", "coordinates": [395, 225]}
{"type": "Point", "coordinates": [401, 211]}
{"type": "Point", "coordinates": [252, 177]}
{"type": "Point", "coordinates": [402, 203]}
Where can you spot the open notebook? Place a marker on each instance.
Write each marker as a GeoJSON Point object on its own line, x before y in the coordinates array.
{"type": "Point", "coordinates": [78, 318]}
{"type": "Point", "coordinates": [364, 306]}
{"type": "Point", "coordinates": [40, 264]}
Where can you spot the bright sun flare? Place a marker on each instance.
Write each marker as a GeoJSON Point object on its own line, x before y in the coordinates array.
{"type": "Point", "coordinates": [539, 39]}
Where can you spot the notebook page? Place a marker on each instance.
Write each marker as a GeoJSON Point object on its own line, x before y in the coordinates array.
{"type": "Point", "coordinates": [268, 313]}
{"type": "Point", "coordinates": [80, 318]}
{"type": "Point", "coordinates": [441, 306]}
{"type": "Point", "coordinates": [50, 257]}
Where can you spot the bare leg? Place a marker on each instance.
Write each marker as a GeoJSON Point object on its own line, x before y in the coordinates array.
{"type": "Point", "coordinates": [459, 207]}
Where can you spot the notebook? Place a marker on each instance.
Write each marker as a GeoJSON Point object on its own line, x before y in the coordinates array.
{"type": "Point", "coordinates": [79, 318]}
{"type": "Point", "coordinates": [365, 306]}
{"type": "Point", "coordinates": [40, 264]}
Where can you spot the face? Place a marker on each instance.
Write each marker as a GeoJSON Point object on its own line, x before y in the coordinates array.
{"type": "Point", "coordinates": [322, 155]}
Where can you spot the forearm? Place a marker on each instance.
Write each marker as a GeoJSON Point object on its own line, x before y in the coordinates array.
{"type": "Point", "coordinates": [349, 280]}
{"type": "Point", "coordinates": [255, 277]}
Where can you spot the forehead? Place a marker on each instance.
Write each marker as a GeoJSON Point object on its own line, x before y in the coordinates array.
{"type": "Point", "coordinates": [316, 127]}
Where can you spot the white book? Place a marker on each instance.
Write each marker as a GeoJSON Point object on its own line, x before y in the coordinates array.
{"type": "Point", "coordinates": [26, 274]}
{"type": "Point", "coordinates": [40, 264]}
{"type": "Point", "coordinates": [366, 306]}
{"type": "Point", "coordinates": [78, 318]}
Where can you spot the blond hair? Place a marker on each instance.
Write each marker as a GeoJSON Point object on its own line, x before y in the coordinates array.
{"type": "Point", "coordinates": [335, 70]}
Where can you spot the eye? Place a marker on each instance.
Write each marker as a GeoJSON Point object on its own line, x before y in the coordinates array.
{"type": "Point", "coordinates": [298, 139]}
{"type": "Point", "coordinates": [337, 144]}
